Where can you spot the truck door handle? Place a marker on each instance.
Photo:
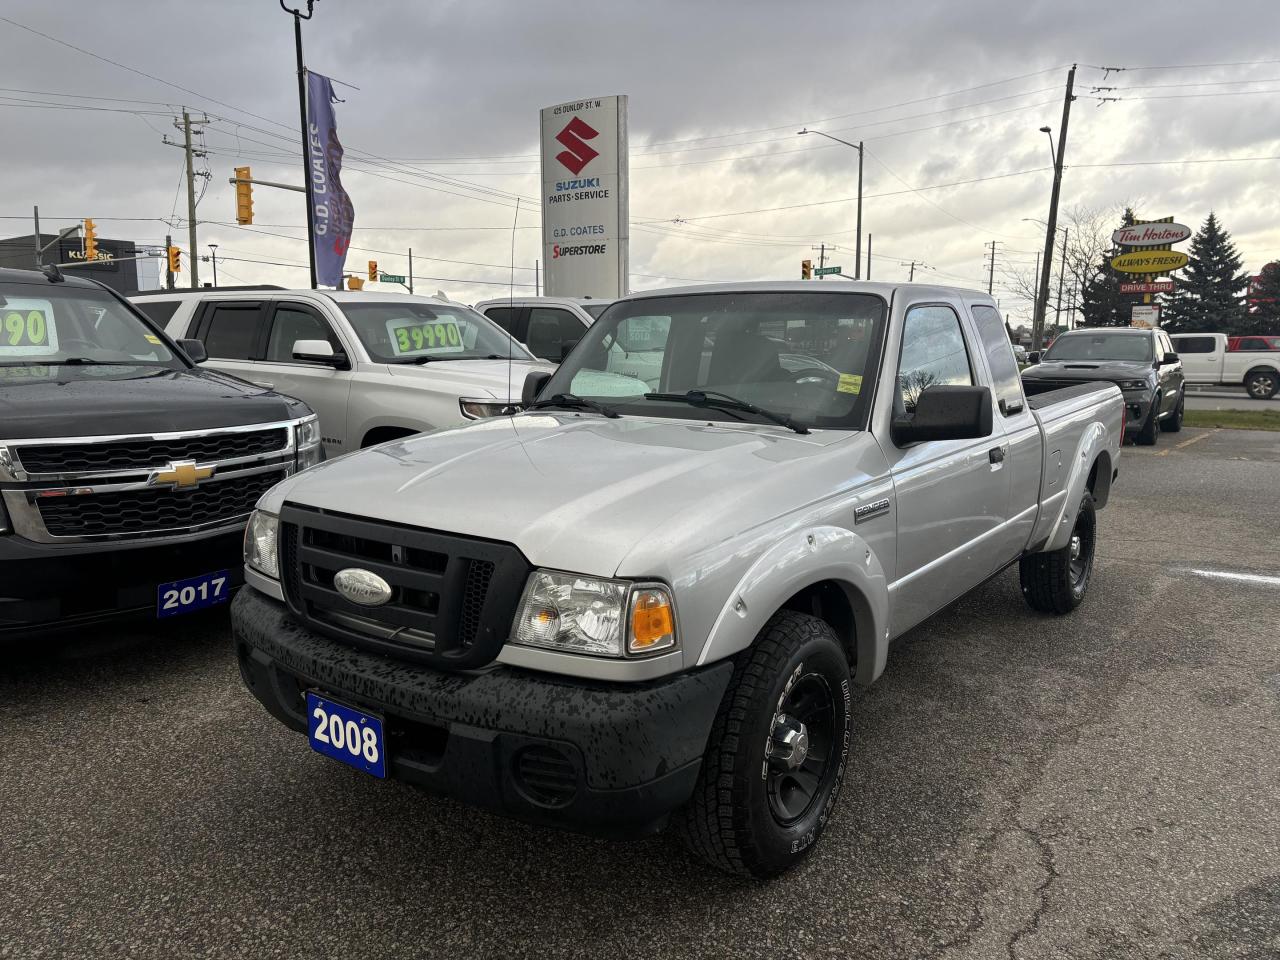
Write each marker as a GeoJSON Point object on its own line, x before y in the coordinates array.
{"type": "Point", "coordinates": [996, 454]}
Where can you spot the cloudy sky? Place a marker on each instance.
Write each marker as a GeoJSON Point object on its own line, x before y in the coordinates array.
{"type": "Point", "coordinates": [441, 134]}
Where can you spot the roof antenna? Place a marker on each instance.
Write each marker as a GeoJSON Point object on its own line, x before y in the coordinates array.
{"type": "Point", "coordinates": [51, 271]}
{"type": "Point", "coordinates": [511, 295]}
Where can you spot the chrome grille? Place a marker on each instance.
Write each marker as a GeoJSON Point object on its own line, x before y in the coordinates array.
{"type": "Point", "coordinates": [146, 454]}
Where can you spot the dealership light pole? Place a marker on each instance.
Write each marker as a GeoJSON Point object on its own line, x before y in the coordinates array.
{"type": "Point", "coordinates": [213, 262]}
{"type": "Point", "coordinates": [298, 17]}
{"type": "Point", "coordinates": [1051, 228]}
{"type": "Point", "coordinates": [857, 253]}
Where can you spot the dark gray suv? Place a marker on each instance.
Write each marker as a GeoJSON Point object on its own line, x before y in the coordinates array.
{"type": "Point", "coordinates": [1141, 362]}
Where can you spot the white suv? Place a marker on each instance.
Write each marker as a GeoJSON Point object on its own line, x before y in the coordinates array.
{"type": "Point", "coordinates": [373, 366]}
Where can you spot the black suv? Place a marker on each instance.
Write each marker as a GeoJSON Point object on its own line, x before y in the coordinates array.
{"type": "Point", "coordinates": [126, 472]}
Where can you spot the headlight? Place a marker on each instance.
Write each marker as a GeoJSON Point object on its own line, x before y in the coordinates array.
{"type": "Point", "coordinates": [608, 618]}
{"type": "Point", "coordinates": [306, 439]}
{"type": "Point", "coordinates": [260, 544]}
{"type": "Point", "coordinates": [480, 409]}
{"type": "Point", "coordinates": [1133, 384]}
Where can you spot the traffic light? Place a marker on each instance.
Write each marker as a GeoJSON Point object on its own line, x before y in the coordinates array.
{"type": "Point", "coordinates": [355, 283]}
{"type": "Point", "coordinates": [373, 270]}
{"type": "Point", "coordinates": [806, 269]}
{"type": "Point", "coordinates": [175, 260]}
{"type": "Point", "coordinates": [244, 196]}
{"type": "Point", "coordinates": [90, 240]}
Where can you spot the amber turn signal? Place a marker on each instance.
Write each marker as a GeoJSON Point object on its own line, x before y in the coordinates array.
{"type": "Point", "coordinates": [653, 622]}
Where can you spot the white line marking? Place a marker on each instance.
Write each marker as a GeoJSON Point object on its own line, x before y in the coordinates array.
{"type": "Point", "coordinates": [1241, 577]}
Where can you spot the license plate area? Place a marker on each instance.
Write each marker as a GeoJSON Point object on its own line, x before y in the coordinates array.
{"type": "Point", "coordinates": [194, 593]}
{"type": "Point", "coordinates": [346, 734]}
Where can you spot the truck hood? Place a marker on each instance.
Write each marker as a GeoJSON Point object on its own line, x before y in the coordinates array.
{"type": "Point", "coordinates": [1090, 370]}
{"type": "Point", "coordinates": [577, 493]}
{"type": "Point", "coordinates": [70, 401]}
{"type": "Point", "coordinates": [472, 378]}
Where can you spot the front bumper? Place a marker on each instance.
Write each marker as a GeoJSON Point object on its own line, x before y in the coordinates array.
{"type": "Point", "coordinates": [1137, 405]}
{"type": "Point", "coordinates": [51, 587]}
{"type": "Point", "coordinates": [597, 758]}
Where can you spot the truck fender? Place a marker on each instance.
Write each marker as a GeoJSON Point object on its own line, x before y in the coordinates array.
{"type": "Point", "coordinates": [800, 559]}
{"type": "Point", "coordinates": [1093, 444]}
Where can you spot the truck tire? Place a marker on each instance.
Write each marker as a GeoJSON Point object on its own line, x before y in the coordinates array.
{"type": "Point", "coordinates": [1056, 582]}
{"type": "Point", "coordinates": [1150, 430]}
{"type": "Point", "coordinates": [776, 756]}
{"type": "Point", "coordinates": [1262, 384]}
{"type": "Point", "coordinates": [1173, 422]}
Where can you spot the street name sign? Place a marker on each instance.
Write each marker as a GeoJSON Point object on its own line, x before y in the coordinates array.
{"type": "Point", "coordinates": [825, 271]}
{"type": "Point", "coordinates": [391, 278]}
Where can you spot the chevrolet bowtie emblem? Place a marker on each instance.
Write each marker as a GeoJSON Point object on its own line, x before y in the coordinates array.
{"type": "Point", "coordinates": [181, 475]}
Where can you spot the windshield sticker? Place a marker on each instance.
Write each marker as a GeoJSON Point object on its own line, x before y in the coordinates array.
{"type": "Point", "coordinates": [151, 338]}
{"type": "Point", "coordinates": [27, 328]}
{"type": "Point", "coordinates": [849, 383]}
{"type": "Point", "coordinates": [414, 337]}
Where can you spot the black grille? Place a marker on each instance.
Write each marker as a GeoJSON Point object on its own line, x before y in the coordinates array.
{"type": "Point", "coordinates": [546, 775]}
{"type": "Point", "coordinates": [452, 598]}
{"type": "Point", "coordinates": [148, 454]}
{"type": "Point", "coordinates": [143, 512]}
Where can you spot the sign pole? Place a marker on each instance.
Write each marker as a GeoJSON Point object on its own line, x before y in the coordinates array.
{"type": "Point", "coordinates": [298, 17]}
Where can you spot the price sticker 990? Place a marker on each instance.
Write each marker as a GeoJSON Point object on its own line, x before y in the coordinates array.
{"type": "Point", "coordinates": [27, 328]}
{"type": "Point", "coordinates": [427, 336]}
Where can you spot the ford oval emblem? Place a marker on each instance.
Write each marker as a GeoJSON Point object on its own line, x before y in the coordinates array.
{"type": "Point", "coordinates": [362, 587]}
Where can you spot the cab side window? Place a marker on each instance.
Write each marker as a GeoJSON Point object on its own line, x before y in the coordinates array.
{"type": "Point", "coordinates": [550, 330]}
{"type": "Point", "coordinates": [933, 352]}
{"type": "Point", "coordinates": [231, 331]}
{"type": "Point", "coordinates": [1006, 381]}
{"type": "Point", "coordinates": [160, 311]}
{"type": "Point", "coordinates": [294, 323]}
{"type": "Point", "coordinates": [1194, 345]}
{"type": "Point", "coordinates": [502, 316]}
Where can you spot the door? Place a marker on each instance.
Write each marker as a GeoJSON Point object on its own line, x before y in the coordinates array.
{"type": "Point", "coordinates": [952, 495]}
{"type": "Point", "coordinates": [1201, 357]}
{"type": "Point", "coordinates": [323, 388]}
{"type": "Point", "coordinates": [233, 332]}
{"type": "Point", "coordinates": [551, 329]}
{"type": "Point", "coordinates": [1170, 374]}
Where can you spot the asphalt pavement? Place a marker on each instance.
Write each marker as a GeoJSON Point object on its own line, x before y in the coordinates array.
{"type": "Point", "coordinates": [1227, 398]}
{"type": "Point", "coordinates": [1103, 785]}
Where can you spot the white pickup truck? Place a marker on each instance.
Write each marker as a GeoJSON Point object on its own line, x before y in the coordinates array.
{"type": "Point", "coordinates": [667, 622]}
{"type": "Point", "coordinates": [1217, 358]}
{"type": "Point", "coordinates": [373, 366]}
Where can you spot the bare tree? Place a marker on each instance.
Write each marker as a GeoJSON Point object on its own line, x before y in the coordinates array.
{"type": "Point", "coordinates": [1088, 240]}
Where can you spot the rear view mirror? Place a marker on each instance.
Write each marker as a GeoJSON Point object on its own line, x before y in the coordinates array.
{"type": "Point", "coordinates": [319, 351]}
{"type": "Point", "coordinates": [533, 384]}
{"type": "Point", "coordinates": [194, 350]}
{"type": "Point", "coordinates": [1033, 356]}
{"type": "Point", "coordinates": [945, 413]}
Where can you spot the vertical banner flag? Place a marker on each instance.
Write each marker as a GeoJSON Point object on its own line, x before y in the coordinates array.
{"type": "Point", "coordinates": [331, 207]}
{"type": "Point", "coordinates": [585, 224]}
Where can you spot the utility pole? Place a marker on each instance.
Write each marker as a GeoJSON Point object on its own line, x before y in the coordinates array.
{"type": "Point", "coordinates": [39, 252]}
{"type": "Point", "coordinates": [1051, 229]}
{"type": "Point", "coordinates": [912, 275]}
{"type": "Point", "coordinates": [298, 17]}
{"type": "Point", "coordinates": [1062, 274]}
{"type": "Point", "coordinates": [857, 255]}
{"type": "Point", "coordinates": [991, 267]}
{"type": "Point", "coordinates": [411, 271]}
{"type": "Point", "coordinates": [185, 125]}
{"type": "Point", "coordinates": [537, 280]}
{"type": "Point", "coordinates": [822, 259]}
{"type": "Point", "coordinates": [868, 256]}
{"type": "Point", "coordinates": [168, 274]}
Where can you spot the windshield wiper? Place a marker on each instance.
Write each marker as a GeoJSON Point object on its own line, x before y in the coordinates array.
{"type": "Point", "coordinates": [714, 398]}
{"type": "Point", "coordinates": [88, 362]}
{"type": "Point", "coordinates": [571, 401]}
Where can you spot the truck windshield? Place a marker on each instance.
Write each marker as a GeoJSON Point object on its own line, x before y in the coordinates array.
{"type": "Point", "coordinates": [52, 324]}
{"type": "Point", "coordinates": [1100, 346]}
{"type": "Point", "coordinates": [413, 332]}
{"type": "Point", "coordinates": [809, 357]}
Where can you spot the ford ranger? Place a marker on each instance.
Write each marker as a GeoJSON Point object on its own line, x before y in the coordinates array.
{"type": "Point", "coordinates": [127, 471]}
{"type": "Point", "coordinates": [635, 604]}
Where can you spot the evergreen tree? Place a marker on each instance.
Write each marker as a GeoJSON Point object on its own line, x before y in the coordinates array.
{"type": "Point", "coordinates": [1101, 301]}
{"type": "Point", "coordinates": [1263, 316]}
{"type": "Point", "coordinates": [1209, 296]}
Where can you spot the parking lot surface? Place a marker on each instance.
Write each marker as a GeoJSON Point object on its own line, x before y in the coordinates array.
{"type": "Point", "coordinates": [1101, 785]}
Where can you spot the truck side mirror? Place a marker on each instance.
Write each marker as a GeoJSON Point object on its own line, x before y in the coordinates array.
{"type": "Point", "coordinates": [533, 384]}
{"type": "Point", "coordinates": [320, 351]}
{"type": "Point", "coordinates": [194, 350]}
{"type": "Point", "coordinates": [1033, 356]}
{"type": "Point", "coordinates": [1169, 358]}
{"type": "Point", "coordinates": [944, 412]}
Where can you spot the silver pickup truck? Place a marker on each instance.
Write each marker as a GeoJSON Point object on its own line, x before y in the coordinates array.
{"type": "Point", "coordinates": [631, 605]}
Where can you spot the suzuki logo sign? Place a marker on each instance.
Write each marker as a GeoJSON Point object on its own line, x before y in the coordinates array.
{"type": "Point", "coordinates": [583, 152]}
{"type": "Point", "coordinates": [577, 154]}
